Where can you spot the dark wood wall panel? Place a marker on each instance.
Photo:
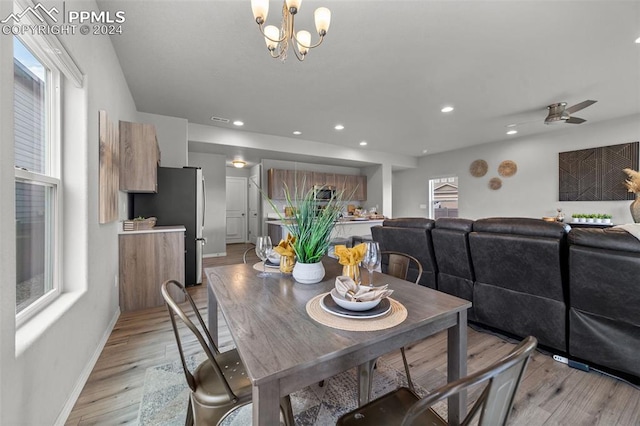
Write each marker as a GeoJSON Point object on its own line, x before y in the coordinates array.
{"type": "Point", "coordinates": [596, 174]}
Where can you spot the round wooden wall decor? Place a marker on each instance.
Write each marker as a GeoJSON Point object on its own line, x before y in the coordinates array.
{"type": "Point", "coordinates": [478, 168]}
{"type": "Point", "coordinates": [507, 168]}
{"type": "Point", "coordinates": [495, 183]}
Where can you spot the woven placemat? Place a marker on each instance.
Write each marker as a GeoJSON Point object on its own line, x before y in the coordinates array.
{"type": "Point", "coordinates": [396, 315]}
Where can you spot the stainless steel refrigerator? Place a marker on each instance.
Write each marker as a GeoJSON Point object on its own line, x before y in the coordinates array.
{"type": "Point", "coordinates": [180, 200]}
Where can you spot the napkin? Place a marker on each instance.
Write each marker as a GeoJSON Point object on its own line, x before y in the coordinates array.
{"type": "Point", "coordinates": [287, 253]}
{"type": "Point", "coordinates": [348, 289]}
{"type": "Point", "coordinates": [350, 256]}
{"type": "Point", "coordinates": [285, 247]}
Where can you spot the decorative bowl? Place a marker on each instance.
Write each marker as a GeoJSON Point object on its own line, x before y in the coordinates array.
{"type": "Point", "coordinates": [353, 306]}
{"type": "Point", "coordinates": [274, 257]}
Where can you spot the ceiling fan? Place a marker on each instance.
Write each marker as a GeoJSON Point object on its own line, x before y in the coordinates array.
{"type": "Point", "coordinates": [558, 112]}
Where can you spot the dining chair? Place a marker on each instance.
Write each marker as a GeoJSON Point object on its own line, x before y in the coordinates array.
{"type": "Point", "coordinates": [399, 267]}
{"type": "Point", "coordinates": [219, 384]}
{"type": "Point", "coordinates": [404, 407]}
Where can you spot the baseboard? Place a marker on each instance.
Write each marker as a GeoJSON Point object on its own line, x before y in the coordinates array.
{"type": "Point", "coordinates": [224, 253]}
{"type": "Point", "coordinates": [82, 380]}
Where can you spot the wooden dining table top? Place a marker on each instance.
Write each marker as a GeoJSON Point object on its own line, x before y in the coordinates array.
{"type": "Point", "coordinates": [277, 338]}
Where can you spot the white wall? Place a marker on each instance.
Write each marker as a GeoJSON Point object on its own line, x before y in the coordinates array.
{"type": "Point", "coordinates": [215, 229]}
{"type": "Point", "coordinates": [532, 191]}
{"type": "Point", "coordinates": [172, 138]}
{"type": "Point", "coordinates": [44, 363]}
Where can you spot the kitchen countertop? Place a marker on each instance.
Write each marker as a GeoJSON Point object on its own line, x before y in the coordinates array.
{"type": "Point", "coordinates": [176, 228]}
{"type": "Point", "coordinates": [340, 222]}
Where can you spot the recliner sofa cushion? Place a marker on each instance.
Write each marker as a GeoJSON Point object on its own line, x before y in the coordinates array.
{"type": "Point", "coordinates": [604, 313]}
{"type": "Point", "coordinates": [399, 235]}
{"type": "Point", "coordinates": [453, 257]}
{"type": "Point", "coordinates": [520, 270]}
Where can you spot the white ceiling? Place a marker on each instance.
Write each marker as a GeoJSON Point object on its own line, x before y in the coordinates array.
{"type": "Point", "coordinates": [386, 68]}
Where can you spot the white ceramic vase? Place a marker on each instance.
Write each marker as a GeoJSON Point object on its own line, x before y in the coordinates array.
{"type": "Point", "coordinates": [308, 273]}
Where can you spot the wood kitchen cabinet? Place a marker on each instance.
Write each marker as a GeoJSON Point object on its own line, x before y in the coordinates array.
{"type": "Point", "coordinates": [305, 180]}
{"type": "Point", "coordinates": [147, 259]}
{"type": "Point", "coordinates": [139, 157]}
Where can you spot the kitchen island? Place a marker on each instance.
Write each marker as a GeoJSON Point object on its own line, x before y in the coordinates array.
{"type": "Point", "coordinates": [345, 228]}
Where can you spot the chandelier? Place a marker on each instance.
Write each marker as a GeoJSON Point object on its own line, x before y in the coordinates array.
{"type": "Point", "coordinates": [278, 39]}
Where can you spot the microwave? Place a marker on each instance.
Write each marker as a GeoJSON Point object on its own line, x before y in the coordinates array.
{"type": "Point", "coordinates": [323, 193]}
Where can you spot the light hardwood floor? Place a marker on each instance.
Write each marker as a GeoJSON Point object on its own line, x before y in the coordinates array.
{"type": "Point", "coordinates": [550, 393]}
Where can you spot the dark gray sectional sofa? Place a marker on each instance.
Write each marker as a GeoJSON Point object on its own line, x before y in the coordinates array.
{"type": "Point", "coordinates": [577, 291]}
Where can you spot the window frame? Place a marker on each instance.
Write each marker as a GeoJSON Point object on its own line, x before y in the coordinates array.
{"type": "Point", "coordinates": [51, 177]}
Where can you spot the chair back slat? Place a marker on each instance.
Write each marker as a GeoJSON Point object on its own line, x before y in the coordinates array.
{"type": "Point", "coordinates": [208, 345]}
{"type": "Point", "coordinates": [399, 265]}
{"type": "Point", "coordinates": [502, 381]}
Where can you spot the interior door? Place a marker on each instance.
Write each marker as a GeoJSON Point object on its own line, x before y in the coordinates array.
{"type": "Point", "coordinates": [254, 207]}
{"type": "Point", "coordinates": [236, 189]}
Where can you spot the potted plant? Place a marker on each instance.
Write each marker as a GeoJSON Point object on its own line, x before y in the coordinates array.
{"type": "Point", "coordinates": [606, 218]}
{"type": "Point", "coordinates": [311, 226]}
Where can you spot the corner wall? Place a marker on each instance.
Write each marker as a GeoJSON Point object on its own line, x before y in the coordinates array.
{"type": "Point", "coordinates": [44, 364]}
{"type": "Point", "coordinates": [532, 191]}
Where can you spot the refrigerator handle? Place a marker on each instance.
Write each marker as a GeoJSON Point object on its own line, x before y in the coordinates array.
{"type": "Point", "coordinates": [204, 200]}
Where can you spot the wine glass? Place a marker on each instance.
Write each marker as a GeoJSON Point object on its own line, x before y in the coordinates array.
{"type": "Point", "coordinates": [371, 259]}
{"type": "Point", "coordinates": [263, 248]}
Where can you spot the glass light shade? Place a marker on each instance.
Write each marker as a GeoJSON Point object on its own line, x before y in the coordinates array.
{"type": "Point", "coordinates": [293, 3]}
{"type": "Point", "coordinates": [273, 33]}
{"type": "Point", "coordinates": [239, 164]}
{"type": "Point", "coordinates": [304, 41]}
{"type": "Point", "coordinates": [260, 9]}
{"type": "Point", "coordinates": [322, 16]}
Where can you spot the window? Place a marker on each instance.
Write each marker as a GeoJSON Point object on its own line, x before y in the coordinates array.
{"type": "Point", "coordinates": [443, 197]}
{"type": "Point", "coordinates": [37, 175]}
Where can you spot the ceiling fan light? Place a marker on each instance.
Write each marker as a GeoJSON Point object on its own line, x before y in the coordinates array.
{"type": "Point", "coordinates": [322, 17]}
{"type": "Point", "coordinates": [260, 10]}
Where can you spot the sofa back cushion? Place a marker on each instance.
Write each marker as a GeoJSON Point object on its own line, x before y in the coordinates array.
{"type": "Point", "coordinates": [520, 254]}
{"type": "Point", "coordinates": [411, 236]}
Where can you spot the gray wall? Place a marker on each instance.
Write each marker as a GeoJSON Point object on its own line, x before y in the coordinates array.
{"type": "Point", "coordinates": [214, 172]}
{"type": "Point", "coordinates": [172, 138]}
{"type": "Point", "coordinates": [533, 191]}
{"type": "Point", "coordinates": [44, 363]}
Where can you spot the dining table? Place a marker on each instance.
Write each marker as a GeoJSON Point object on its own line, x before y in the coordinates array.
{"type": "Point", "coordinates": [285, 349]}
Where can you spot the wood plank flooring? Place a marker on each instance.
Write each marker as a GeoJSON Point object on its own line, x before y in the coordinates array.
{"type": "Point", "coordinates": [550, 394]}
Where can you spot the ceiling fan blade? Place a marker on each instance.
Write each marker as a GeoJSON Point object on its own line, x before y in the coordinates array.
{"type": "Point", "coordinates": [578, 107]}
{"type": "Point", "coordinates": [575, 120]}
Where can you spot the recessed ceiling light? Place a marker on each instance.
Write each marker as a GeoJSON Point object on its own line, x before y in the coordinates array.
{"type": "Point", "coordinates": [363, 143]}
{"type": "Point", "coordinates": [512, 132]}
{"type": "Point", "coordinates": [339, 127]}
{"type": "Point", "coordinates": [447, 109]}
{"type": "Point", "coordinates": [511, 125]}
{"type": "Point", "coordinates": [297, 132]}
{"type": "Point", "coordinates": [638, 40]}
{"type": "Point", "coordinates": [424, 151]}
{"type": "Point", "coordinates": [238, 123]}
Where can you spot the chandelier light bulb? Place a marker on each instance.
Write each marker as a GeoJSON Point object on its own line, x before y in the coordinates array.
{"type": "Point", "coordinates": [271, 35]}
{"type": "Point", "coordinates": [304, 41]}
{"type": "Point", "coordinates": [293, 5]}
{"type": "Point", "coordinates": [260, 10]}
{"type": "Point", "coordinates": [322, 17]}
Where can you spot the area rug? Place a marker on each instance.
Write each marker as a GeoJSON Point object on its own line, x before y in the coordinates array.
{"type": "Point", "coordinates": [165, 396]}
